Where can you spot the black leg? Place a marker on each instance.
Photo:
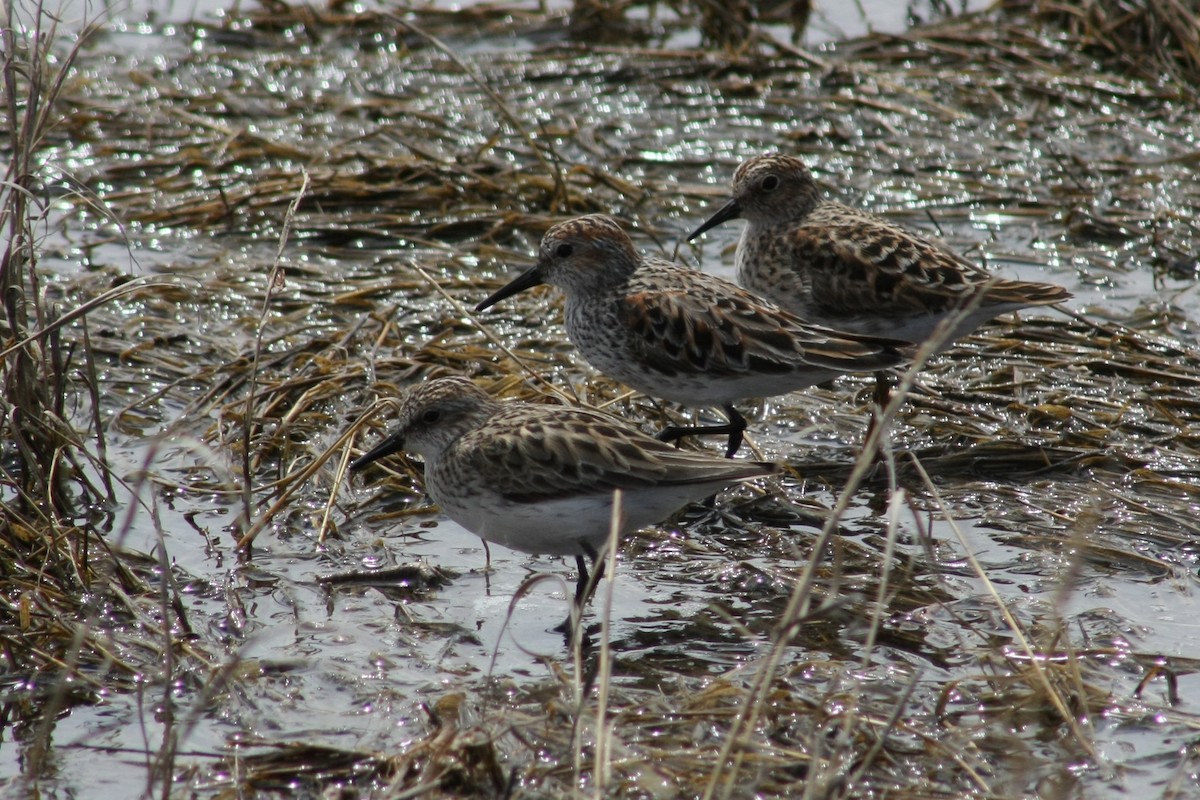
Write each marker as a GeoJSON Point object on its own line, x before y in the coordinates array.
{"type": "Point", "coordinates": [585, 584]}
{"type": "Point", "coordinates": [737, 426]}
{"type": "Point", "coordinates": [734, 429]}
{"type": "Point", "coordinates": [879, 398]}
{"type": "Point", "coordinates": [581, 585]}
{"type": "Point", "coordinates": [883, 389]}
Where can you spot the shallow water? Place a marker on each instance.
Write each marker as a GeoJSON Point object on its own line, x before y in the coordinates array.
{"type": "Point", "coordinates": [359, 667]}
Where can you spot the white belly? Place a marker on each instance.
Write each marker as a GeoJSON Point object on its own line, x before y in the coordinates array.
{"type": "Point", "coordinates": [568, 526]}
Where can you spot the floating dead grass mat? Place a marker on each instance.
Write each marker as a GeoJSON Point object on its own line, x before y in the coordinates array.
{"type": "Point", "coordinates": [410, 178]}
{"type": "Point", "coordinates": [819, 729]}
{"type": "Point", "coordinates": [1148, 38]}
{"type": "Point", "coordinates": [403, 141]}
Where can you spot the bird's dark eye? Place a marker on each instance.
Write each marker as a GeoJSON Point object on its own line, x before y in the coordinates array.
{"type": "Point", "coordinates": [563, 250]}
{"type": "Point", "coordinates": [770, 183]}
{"type": "Point", "coordinates": [431, 416]}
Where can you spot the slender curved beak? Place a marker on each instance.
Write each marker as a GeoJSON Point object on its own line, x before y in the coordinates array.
{"type": "Point", "coordinates": [730, 210]}
{"type": "Point", "coordinates": [526, 280]}
{"type": "Point", "coordinates": [394, 443]}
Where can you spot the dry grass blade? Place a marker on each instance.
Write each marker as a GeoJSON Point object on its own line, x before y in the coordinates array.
{"type": "Point", "coordinates": [1082, 737]}
{"type": "Point", "coordinates": [603, 736]}
{"type": "Point", "coordinates": [294, 482]}
{"type": "Point", "coordinates": [495, 340]}
{"type": "Point", "coordinates": [274, 282]}
{"type": "Point", "coordinates": [799, 603]}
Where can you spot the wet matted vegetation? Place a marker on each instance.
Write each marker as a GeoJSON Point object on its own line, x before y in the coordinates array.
{"type": "Point", "coordinates": [243, 239]}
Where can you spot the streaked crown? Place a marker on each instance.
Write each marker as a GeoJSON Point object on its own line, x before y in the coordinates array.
{"type": "Point", "coordinates": [439, 411]}
{"type": "Point", "coordinates": [774, 187]}
{"type": "Point", "coordinates": [587, 254]}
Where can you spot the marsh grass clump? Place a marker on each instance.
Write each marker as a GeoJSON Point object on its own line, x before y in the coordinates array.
{"type": "Point", "coordinates": [38, 365]}
{"type": "Point", "coordinates": [46, 483]}
{"type": "Point", "coordinates": [1146, 35]}
{"type": "Point", "coordinates": [72, 627]}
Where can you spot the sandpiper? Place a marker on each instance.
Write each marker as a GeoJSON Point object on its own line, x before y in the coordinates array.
{"type": "Point", "coordinates": [679, 334]}
{"type": "Point", "coordinates": [540, 478]}
{"type": "Point", "coordinates": [850, 270]}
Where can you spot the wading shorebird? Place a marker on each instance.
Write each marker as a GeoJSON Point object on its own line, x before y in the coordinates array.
{"type": "Point", "coordinates": [540, 478]}
{"type": "Point", "coordinates": [680, 334]}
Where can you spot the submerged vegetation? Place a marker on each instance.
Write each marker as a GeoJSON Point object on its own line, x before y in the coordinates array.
{"type": "Point", "coordinates": [225, 259]}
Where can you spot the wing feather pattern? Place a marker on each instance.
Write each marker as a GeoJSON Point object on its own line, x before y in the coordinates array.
{"type": "Point", "coordinates": [532, 457]}
{"type": "Point", "coordinates": [717, 329]}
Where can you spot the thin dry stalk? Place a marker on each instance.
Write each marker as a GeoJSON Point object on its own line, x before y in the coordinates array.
{"type": "Point", "coordinates": [1039, 674]}
{"type": "Point", "coordinates": [602, 768]}
{"type": "Point", "coordinates": [274, 281]}
{"type": "Point", "coordinates": [799, 604]}
{"type": "Point", "coordinates": [462, 310]}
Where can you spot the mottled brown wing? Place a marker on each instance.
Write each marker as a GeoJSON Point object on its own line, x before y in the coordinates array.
{"type": "Point", "coordinates": [854, 267]}
{"type": "Point", "coordinates": [532, 457]}
{"type": "Point", "coordinates": [712, 327]}
{"type": "Point", "coordinates": [857, 262]}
